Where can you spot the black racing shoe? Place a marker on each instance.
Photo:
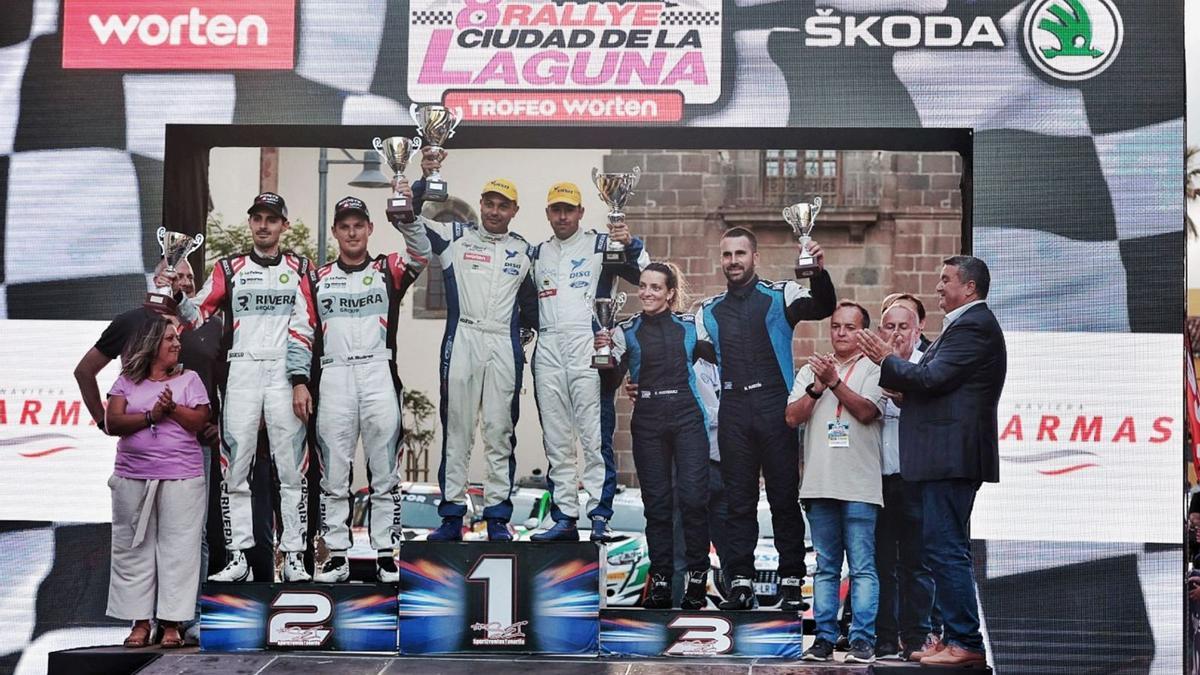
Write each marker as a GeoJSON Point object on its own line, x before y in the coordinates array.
{"type": "Point", "coordinates": [861, 651]}
{"type": "Point", "coordinates": [695, 596]}
{"type": "Point", "coordinates": [791, 591]}
{"type": "Point", "coordinates": [741, 595]}
{"type": "Point", "coordinates": [657, 592]}
{"type": "Point", "coordinates": [889, 651]}
{"type": "Point", "coordinates": [821, 650]}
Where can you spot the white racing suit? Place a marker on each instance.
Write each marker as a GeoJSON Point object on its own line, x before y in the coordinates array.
{"type": "Point", "coordinates": [359, 390]}
{"type": "Point", "coordinates": [489, 299]}
{"type": "Point", "coordinates": [269, 328]}
{"type": "Point", "coordinates": [569, 276]}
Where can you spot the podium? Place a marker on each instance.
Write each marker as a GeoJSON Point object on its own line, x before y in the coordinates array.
{"type": "Point", "coordinates": [749, 634]}
{"type": "Point", "coordinates": [500, 598]}
{"type": "Point", "coordinates": [325, 617]}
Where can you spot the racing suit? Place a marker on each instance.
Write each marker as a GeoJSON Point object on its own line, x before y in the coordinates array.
{"type": "Point", "coordinates": [269, 325]}
{"type": "Point", "coordinates": [670, 433]}
{"type": "Point", "coordinates": [489, 299]}
{"type": "Point", "coordinates": [360, 392]}
{"type": "Point", "coordinates": [750, 328]}
{"type": "Point", "coordinates": [569, 276]}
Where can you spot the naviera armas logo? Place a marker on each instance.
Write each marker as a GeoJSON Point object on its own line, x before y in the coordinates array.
{"type": "Point", "coordinates": [1073, 39]}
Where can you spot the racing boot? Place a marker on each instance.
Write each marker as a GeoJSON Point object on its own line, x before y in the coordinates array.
{"type": "Point", "coordinates": [741, 595]}
{"type": "Point", "coordinates": [238, 569]}
{"type": "Point", "coordinates": [293, 567]}
{"type": "Point", "coordinates": [497, 530]}
{"type": "Point", "coordinates": [790, 592]}
{"type": "Point", "coordinates": [451, 530]}
{"type": "Point", "coordinates": [657, 594]}
{"type": "Point", "coordinates": [563, 530]}
{"type": "Point", "coordinates": [385, 568]}
{"type": "Point", "coordinates": [336, 570]}
{"type": "Point", "coordinates": [695, 596]}
{"type": "Point", "coordinates": [600, 532]}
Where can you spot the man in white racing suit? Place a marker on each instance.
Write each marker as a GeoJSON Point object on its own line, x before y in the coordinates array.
{"type": "Point", "coordinates": [569, 276]}
{"type": "Point", "coordinates": [358, 391]}
{"type": "Point", "coordinates": [269, 324]}
{"type": "Point", "coordinates": [490, 299]}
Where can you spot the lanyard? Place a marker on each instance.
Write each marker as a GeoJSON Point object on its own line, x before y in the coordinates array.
{"type": "Point", "coordinates": [843, 379]}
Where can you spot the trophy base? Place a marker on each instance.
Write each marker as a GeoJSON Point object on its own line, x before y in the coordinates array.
{"type": "Point", "coordinates": [158, 302]}
{"type": "Point", "coordinates": [806, 269]}
{"type": "Point", "coordinates": [604, 361]}
{"type": "Point", "coordinates": [399, 209]}
{"type": "Point", "coordinates": [615, 258]}
{"type": "Point", "coordinates": [436, 191]}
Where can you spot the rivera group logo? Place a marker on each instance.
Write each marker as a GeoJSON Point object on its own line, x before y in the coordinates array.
{"type": "Point", "coordinates": [1072, 40]}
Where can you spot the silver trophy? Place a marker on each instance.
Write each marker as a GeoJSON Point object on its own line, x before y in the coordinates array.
{"type": "Point", "coordinates": [396, 152]}
{"type": "Point", "coordinates": [606, 310]}
{"type": "Point", "coordinates": [615, 190]}
{"type": "Point", "coordinates": [802, 217]}
{"type": "Point", "coordinates": [436, 124]}
{"type": "Point", "coordinates": [176, 247]}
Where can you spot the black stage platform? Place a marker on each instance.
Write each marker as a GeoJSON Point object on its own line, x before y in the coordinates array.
{"type": "Point", "coordinates": [190, 661]}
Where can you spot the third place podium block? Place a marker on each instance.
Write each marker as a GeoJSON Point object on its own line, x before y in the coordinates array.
{"type": "Point", "coordinates": [526, 598]}
{"type": "Point", "coordinates": [649, 632]}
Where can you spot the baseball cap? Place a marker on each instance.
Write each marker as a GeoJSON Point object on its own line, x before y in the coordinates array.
{"type": "Point", "coordinates": [271, 202]}
{"type": "Point", "coordinates": [348, 205]}
{"type": "Point", "coordinates": [564, 193]}
{"type": "Point", "coordinates": [501, 186]}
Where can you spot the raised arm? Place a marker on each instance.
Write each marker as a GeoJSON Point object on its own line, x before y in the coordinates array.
{"type": "Point", "coordinates": [810, 304]}
{"type": "Point", "coordinates": [193, 312]}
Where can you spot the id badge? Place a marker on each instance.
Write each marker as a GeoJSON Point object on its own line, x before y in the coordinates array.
{"type": "Point", "coordinates": [839, 434]}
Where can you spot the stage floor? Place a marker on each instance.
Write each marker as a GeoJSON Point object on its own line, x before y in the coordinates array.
{"type": "Point", "coordinates": [193, 662]}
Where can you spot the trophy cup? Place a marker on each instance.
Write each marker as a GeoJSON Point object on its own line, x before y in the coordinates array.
{"type": "Point", "coordinates": [396, 152]}
{"type": "Point", "coordinates": [175, 246]}
{"type": "Point", "coordinates": [615, 190]}
{"type": "Point", "coordinates": [436, 124]}
{"type": "Point", "coordinates": [605, 310]}
{"type": "Point", "coordinates": [802, 217]}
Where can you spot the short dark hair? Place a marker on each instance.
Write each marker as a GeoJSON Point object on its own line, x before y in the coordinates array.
{"type": "Point", "coordinates": [866, 316]}
{"type": "Point", "coordinates": [971, 268]}
{"type": "Point", "coordinates": [735, 232]}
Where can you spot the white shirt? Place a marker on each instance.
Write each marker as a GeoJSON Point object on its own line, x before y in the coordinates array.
{"type": "Point", "coordinates": [952, 316]}
{"type": "Point", "coordinates": [891, 429]}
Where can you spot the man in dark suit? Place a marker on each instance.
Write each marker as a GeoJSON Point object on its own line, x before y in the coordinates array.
{"type": "Point", "coordinates": [949, 441]}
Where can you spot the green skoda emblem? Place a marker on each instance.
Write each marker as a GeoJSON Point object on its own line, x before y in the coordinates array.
{"type": "Point", "coordinates": [1072, 39]}
{"type": "Point", "coordinates": [283, 278]}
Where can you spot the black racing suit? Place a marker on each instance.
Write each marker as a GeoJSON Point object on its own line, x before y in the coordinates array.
{"type": "Point", "coordinates": [751, 328]}
{"type": "Point", "coordinates": [670, 433]}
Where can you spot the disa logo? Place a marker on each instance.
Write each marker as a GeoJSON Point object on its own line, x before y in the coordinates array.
{"type": "Point", "coordinates": [1073, 40]}
{"type": "Point", "coordinates": [174, 35]}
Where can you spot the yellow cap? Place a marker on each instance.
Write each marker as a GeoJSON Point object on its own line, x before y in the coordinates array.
{"type": "Point", "coordinates": [501, 186]}
{"type": "Point", "coordinates": [564, 193]}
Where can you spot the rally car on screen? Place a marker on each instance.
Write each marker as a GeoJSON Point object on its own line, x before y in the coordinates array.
{"type": "Point", "coordinates": [418, 517]}
{"type": "Point", "coordinates": [628, 559]}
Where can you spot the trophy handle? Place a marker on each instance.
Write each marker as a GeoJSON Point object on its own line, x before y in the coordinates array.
{"type": "Point", "coordinates": [619, 302]}
{"type": "Point", "coordinates": [412, 112]}
{"type": "Point", "coordinates": [596, 177]}
{"type": "Point", "coordinates": [458, 118]}
{"type": "Point", "coordinates": [637, 175]}
{"type": "Point", "coordinates": [414, 146]}
{"type": "Point", "coordinates": [816, 204]}
{"type": "Point", "coordinates": [197, 242]}
{"type": "Point", "coordinates": [377, 143]}
{"type": "Point", "coordinates": [161, 234]}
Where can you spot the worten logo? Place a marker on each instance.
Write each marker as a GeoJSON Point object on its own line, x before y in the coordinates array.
{"type": "Point", "coordinates": [1072, 39]}
{"type": "Point", "coordinates": [175, 35]}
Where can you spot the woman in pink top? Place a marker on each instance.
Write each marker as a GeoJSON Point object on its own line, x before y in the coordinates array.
{"type": "Point", "coordinates": [158, 492]}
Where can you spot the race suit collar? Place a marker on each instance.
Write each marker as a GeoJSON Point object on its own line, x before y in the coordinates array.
{"type": "Point", "coordinates": [745, 288]}
{"type": "Point", "coordinates": [350, 269]}
{"type": "Point", "coordinates": [265, 261]}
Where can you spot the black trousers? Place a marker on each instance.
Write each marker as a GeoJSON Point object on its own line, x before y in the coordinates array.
{"type": "Point", "coordinates": [754, 439]}
{"type": "Point", "coordinates": [669, 437]}
{"type": "Point", "coordinates": [717, 528]}
{"type": "Point", "coordinates": [905, 584]}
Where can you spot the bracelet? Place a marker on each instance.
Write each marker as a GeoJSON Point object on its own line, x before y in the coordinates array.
{"type": "Point", "coordinates": [150, 424]}
{"type": "Point", "coordinates": [809, 390]}
{"type": "Point", "coordinates": [835, 385]}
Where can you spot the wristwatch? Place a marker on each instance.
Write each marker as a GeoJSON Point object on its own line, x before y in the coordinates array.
{"type": "Point", "coordinates": [809, 390]}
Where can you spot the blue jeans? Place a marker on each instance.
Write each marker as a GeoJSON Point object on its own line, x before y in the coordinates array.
{"type": "Point", "coordinates": [840, 530]}
{"type": "Point", "coordinates": [948, 505]}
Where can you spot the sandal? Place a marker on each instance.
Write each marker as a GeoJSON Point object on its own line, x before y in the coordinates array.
{"type": "Point", "coordinates": [171, 639]}
{"type": "Point", "coordinates": [138, 637]}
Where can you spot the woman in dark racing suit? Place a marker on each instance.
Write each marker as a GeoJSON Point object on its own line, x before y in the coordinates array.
{"type": "Point", "coordinates": [670, 433]}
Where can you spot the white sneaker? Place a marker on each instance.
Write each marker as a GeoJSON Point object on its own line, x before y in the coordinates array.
{"type": "Point", "coordinates": [335, 570]}
{"type": "Point", "coordinates": [385, 575]}
{"type": "Point", "coordinates": [238, 569]}
{"type": "Point", "coordinates": [293, 567]}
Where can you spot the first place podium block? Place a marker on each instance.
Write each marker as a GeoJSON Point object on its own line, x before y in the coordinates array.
{"type": "Point", "coordinates": [328, 617]}
{"type": "Point", "coordinates": [653, 633]}
{"type": "Point", "coordinates": [500, 597]}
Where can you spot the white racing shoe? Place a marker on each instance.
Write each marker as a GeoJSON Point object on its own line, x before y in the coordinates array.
{"type": "Point", "coordinates": [336, 570]}
{"type": "Point", "coordinates": [238, 569]}
{"type": "Point", "coordinates": [293, 567]}
{"type": "Point", "coordinates": [385, 568]}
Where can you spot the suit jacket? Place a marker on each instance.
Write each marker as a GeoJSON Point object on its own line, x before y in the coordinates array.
{"type": "Point", "coordinates": [948, 425]}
